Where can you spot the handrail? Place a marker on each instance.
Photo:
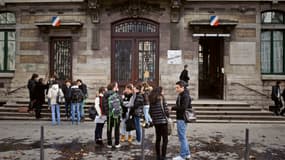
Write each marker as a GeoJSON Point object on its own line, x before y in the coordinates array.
{"type": "Point", "coordinates": [256, 91]}
{"type": "Point", "coordinates": [13, 91]}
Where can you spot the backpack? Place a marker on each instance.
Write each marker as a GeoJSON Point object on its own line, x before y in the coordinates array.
{"type": "Point", "coordinates": [114, 104]}
{"type": "Point", "coordinates": [76, 95]}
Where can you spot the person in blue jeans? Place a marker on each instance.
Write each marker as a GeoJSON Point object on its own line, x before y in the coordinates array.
{"type": "Point", "coordinates": [77, 97]}
{"type": "Point", "coordinates": [182, 103]}
{"type": "Point", "coordinates": [55, 94]}
{"type": "Point", "coordinates": [137, 112]}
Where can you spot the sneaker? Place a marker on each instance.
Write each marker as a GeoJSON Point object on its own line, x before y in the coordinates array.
{"type": "Point", "coordinates": [109, 146]}
{"type": "Point", "coordinates": [188, 157]}
{"type": "Point", "coordinates": [178, 158]}
{"type": "Point", "coordinates": [137, 143]}
{"type": "Point", "coordinates": [123, 138]}
{"type": "Point", "coordinates": [117, 146]}
{"type": "Point", "coordinates": [130, 139]}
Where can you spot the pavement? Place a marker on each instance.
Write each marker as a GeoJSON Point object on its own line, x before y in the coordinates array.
{"type": "Point", "coordinates": [20, 140]}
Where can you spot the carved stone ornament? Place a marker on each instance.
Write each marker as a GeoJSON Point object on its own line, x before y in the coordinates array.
{"type": "Point", "coordinates": [175, 11]}
{"type": "Point", "coordinates": [135, 8]}
{"type": "Point", "coordinates": [94, 7]}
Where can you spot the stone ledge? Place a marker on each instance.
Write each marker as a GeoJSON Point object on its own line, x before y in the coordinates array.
{"type": "Point", "coordinates": [272, 77]}
{"type": "Point", "coordinates": [7, 75]}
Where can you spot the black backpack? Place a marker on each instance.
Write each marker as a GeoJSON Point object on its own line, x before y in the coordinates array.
{"type": "Point", "coordinates": [76, 95]}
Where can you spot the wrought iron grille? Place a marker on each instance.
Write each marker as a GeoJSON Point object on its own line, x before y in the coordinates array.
{"type": "Point", "coordinates": [61, 59]}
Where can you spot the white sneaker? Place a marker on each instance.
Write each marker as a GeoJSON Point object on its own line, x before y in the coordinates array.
{"type": "Point", "coordinates": [118, 146]}
{"type": "Point", "coordinates": [137, 143]}
{"type": "Point", "coordinates": [188, 156]}
{"type": "Point", "coordinates": [109, 146]}
{"type": "Point", "coordinates": [178, 158]}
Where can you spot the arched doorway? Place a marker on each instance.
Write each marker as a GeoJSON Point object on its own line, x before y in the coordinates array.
{"type": "Point", "coordinates": [135, 46]}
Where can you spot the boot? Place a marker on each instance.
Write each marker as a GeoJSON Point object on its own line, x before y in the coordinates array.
{"type": "Point", "coordinates": [130, 139]}
{"type": "Point", "coordinates": [123, 138]}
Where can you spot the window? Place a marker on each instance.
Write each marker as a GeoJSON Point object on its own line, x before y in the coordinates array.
{"type": "Point", "coordinates": [7, 43]}
{"type": "Point", "coordinates": [272, 44]}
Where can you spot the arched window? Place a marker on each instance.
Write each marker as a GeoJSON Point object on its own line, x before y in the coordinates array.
{"type": "Point", "coordinates": [7, 18]}
{"type": "Point", "coordinates": [272, 43]}
{"type": "Point", "coordinates": [135, 26]}
{"type": "Point", "coordinates": [273, 17]}
{"type": "Point", "coordinates": [7, 41]}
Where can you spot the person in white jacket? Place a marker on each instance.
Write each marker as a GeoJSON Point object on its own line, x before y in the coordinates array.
{"type": "Point", "coordinates": [100, 117]}
{"type": "Point", "coordinates": [55, 94]}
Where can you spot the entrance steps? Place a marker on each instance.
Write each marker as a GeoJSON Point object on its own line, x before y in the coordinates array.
{"type": "Point", "coordinates": [208, 111]}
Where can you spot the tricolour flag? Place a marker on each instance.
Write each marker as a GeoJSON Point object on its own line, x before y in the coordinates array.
{"type": "Point", "coordinates": [214, 20]}
{"type": "Point", "coordinates": [55, 21]}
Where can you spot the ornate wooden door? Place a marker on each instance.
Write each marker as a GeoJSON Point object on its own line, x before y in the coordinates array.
{"type": "Point", "coordinates": [134, 52]}
{"type": "Point", "coordinates": [61, 58]}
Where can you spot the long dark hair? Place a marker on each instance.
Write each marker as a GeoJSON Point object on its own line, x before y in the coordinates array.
{"type": "Point", "coordinates": [156, 95]}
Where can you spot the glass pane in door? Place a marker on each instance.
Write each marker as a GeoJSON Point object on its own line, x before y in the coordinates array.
{"type": "Point", "coordinates": [123, 60]}
{"type": "Point", "coordinates": [147, 49]}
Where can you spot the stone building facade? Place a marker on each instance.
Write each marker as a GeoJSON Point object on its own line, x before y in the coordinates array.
{"type": "Point", "coordinates": [141, 40]}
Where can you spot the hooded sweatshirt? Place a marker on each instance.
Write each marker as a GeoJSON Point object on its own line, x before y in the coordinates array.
{"type": "Point", "coordinates": [54, 93]}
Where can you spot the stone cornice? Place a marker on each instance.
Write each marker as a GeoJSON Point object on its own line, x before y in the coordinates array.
{"type": "Point", "coordinates": [37, 1]}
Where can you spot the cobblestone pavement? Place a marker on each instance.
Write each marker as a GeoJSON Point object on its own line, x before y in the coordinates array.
{"type": "Point", "coordinates": [208, 141]}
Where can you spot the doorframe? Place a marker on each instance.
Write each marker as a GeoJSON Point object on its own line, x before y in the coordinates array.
{"type": "Point", "coordinates": [221, 93]}
{"type": "Point", "coordinates": [135, 37]}
{"type": "Point", "coordinates": [51, 54]}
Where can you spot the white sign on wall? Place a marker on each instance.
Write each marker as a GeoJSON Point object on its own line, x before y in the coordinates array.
{"type": "Point", "coordinates": [242, 53]}
{"type": "Point", "coordinates": [174, 56]}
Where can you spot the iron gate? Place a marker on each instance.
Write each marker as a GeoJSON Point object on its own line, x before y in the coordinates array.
{"type": "Point", "coordinates": [61, 58]}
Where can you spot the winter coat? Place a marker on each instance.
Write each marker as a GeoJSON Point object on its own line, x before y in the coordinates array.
{"type": "Point", "coordinates": [83, 88]}
{"type": "Point", "coordinates": [137, 110]}
{"type": "Point", "coordinates": [99, 105]}
{"type": "Point", "coordinates": [146, 99]}
{"type": "Point", "coordinates": [184, 76]}
{"type": "Point", "coordinates": [39, 94]}
{"type": "Point", "coordinates": [54, 94]}
{"type": "Point", "coordinates": [182, 103]}
{"type": "Point", "coordinates": [31, 86]}
{"type": "Point", "coordinates": [67, 94]}
{"type": "Point", "coordinates": [156, 112]}
{"type": "Point", "coordinates": [73, 89]}
{"type": "Point", "coordinates": [126, 100]}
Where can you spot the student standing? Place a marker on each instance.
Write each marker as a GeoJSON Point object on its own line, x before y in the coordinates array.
{"type": "Point", "coordinates": [55, 94]}
{"type": "Point", "coordinates": [100, 117]}
{"type": "Point", "coordinates": [183, 101]}
{"type": "Point", "coordinates": [159, 113]}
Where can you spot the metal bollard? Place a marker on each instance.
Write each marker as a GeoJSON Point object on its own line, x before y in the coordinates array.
{"type": "Point", "coordinates": [246, 154]}
{"type": "Point", "coordinates": [142, 145]}
{"type": "Point", "coordinates": [42, 143]}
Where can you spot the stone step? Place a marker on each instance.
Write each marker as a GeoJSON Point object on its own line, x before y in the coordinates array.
{"type": "Point", "coordinates": [87, 120]}
{"type": "Point", "coordinates": [240, 117]}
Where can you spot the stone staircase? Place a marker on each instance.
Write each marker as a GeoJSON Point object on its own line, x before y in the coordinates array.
{"type": "Point", "coordinates": [208, 111]}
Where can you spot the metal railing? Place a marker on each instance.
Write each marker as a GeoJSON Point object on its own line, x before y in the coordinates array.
{"type": "Point", "coordinates": [251, 89]}
{"type": "Point", "coordinates": [15, 90]}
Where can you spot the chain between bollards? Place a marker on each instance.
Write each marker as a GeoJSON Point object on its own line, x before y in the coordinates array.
{"type": "Point", "coordinates": [246, 154]}
{"type": "Point", "coordinates": [42, 143]}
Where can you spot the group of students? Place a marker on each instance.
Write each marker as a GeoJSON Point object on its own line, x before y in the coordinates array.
{"type": "Point", "coordinates": [140, 103]}
{"type": "Point", "coordinates": [72, 94]}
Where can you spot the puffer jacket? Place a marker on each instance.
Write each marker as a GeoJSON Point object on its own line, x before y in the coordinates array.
{"type": "Point", "coordinates": [156, 112]}
{"type": "Point", "coordinates": [55, 93]}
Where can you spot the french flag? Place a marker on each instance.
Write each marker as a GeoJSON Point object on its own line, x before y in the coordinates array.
{"type": "Point", "coordinates": [55, 21]}
{"type": "Point", "coordinates": [214, 20]}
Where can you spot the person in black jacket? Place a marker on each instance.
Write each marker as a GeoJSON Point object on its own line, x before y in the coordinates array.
{"type": "Point", "coordinates": [184, 75]}
{"type": "Point", "coordinates": [31, 86]}
{"type": "Point", "coordinates": [182, 103]}
{"type": "Point", "coordinates": [67, 97]}
{"type": "Point", "coordinates": [276, 97]}
{"type": "Point", "coordinates": [39, 97]}
{"type": "Point", "coordinates": [283, 111]}
{"type": "Point", "coordinates": [137, 112]}
{"type": "Point", "coordinates": [83, 88]}
{"type": "Point", "coordinates": [159, 113]}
